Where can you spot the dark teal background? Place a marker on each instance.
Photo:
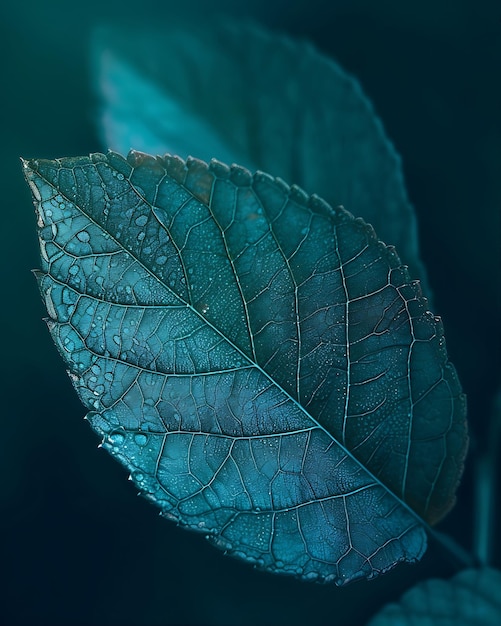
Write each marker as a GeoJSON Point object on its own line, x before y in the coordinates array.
{"type": "Point", "coordinates": [76, 544]}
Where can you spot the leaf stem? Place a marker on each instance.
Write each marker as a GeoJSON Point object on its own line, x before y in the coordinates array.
{"type": "Point", "coordinates": [485, 501]}
{"type": "Point", "coordinates": [464, 558]}
{"type": "Point", "coordinates": [485, 488]}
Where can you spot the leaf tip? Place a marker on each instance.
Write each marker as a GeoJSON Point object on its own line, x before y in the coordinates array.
{"type": "Point", "coordinates": [30, 167]}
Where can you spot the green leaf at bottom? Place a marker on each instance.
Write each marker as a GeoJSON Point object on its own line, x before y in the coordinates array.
{"type": "Point", "coordinates": [471, 598]}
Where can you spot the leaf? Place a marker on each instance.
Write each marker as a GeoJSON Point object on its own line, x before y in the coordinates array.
{"type": "Point", "coordinates": [471, 598]}
{"type": "Point", "coordinates": [233, 91]}
{"type": "Point", "coordinates": [259, 361]}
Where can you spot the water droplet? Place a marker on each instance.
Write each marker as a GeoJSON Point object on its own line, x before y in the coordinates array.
{"type": "Point", "coordinates": [120, 176]}
{"type": "Point", "coordinates": [221, 543]}
{"type": "Point", "coordinates": [141, 439]}
{"type": "Point", "coordinates": [83, 236]}
{"type": "Point", "coordinates": [116, 438]}
{"type": "Point", "coordinates": [116, 339]}
{"type": "Point", "coordinates": [73, 270]}
{"type": "Point", "coordinates": [141, 220]}
{"type": "Point", "coordinates": [69, 344]}
{"type": "Point", "coordinates": [137, 477]}
{"type": "Point", "coordinates": [68, 296]}
{"type": "Point", "coordinates": [161, 260]}
{"type": "Point", "coordinates": [109, 377]}
{"type": "Point", "coordinates": [170, 516]}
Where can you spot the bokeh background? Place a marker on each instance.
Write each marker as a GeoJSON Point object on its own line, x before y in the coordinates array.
{"type": "Point", "coordinates": [77, 546]}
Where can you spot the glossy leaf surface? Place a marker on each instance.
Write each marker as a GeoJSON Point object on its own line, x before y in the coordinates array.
{"type": "Point", "coordinates": [258, 360]}
{"type": "Point", "coordinates": [471, 598]}
{"type": "Point", "coordinates": [235, 92]}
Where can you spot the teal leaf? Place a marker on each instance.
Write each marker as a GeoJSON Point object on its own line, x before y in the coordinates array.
{"type": "Point", "coordinates": [233, 91]}
{"type": "Point", "coordinates": [471, 598]}
{"type": "Point", "coordinates": [262, 365]}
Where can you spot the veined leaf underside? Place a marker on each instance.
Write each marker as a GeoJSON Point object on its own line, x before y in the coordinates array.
{"type": "Point", "coordinates": [259, 361]}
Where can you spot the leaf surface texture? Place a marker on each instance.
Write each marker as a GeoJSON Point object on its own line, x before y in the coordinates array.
{"type": "Point", "coordinates": [258, 360]}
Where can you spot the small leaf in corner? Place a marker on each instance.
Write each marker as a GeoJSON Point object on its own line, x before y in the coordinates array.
{"type": "Point", "coordinates": [471, 598]}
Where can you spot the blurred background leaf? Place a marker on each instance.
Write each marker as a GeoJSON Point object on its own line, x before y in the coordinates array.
{"type": "Point", "coordinates": [469, 598]}
{"type": "Point", "coordinates": [234, 91]}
